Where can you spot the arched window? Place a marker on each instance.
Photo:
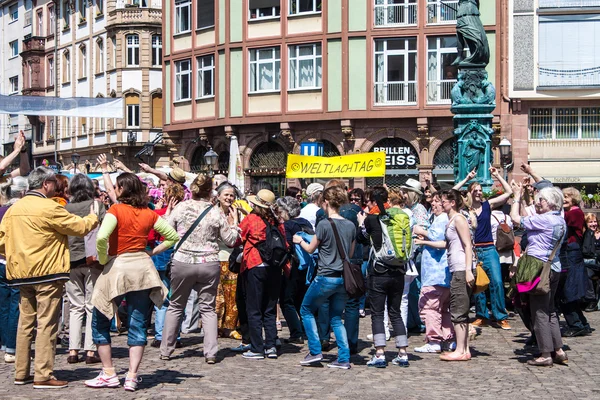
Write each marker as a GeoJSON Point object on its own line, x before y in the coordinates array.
{"type": "Point", "coordinates": [443, 162]}
{"type": "Point", "coordinates": [223, 162]}
{"type": "Point", "coordinates": [267, 163]}
{"type": "Point", "coordinates": [132, 102]}
{"type": "Point", "coordinates": [82, 61]}
{"type": "Point", "coordinates": [198, 164]}
{"type": "Point", "coordinates": [329, 149]}
{"type": "Point", "coordinates": [133, 50]}
{"type": "Point", "coordinates": [99, 56]}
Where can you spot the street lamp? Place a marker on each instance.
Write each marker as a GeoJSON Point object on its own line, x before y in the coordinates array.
{"type": "Point", "coordinates": [211, 159]}
{"type": "Point", "coordinates": [505, 156]}
{"type": "Point", "coordinates": [75, 159]}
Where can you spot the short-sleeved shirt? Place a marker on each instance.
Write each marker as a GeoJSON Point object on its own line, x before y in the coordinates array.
{"type": "Point", "coordinates": [329, 259]}
{"type": "Point", "coordinates": [483, 232]}
{"type": "Point", "coordinates": [434, 262]}
{"type": "Point", "coordinates": [133, 227]}
{"type": "Point", "coordinates": [543, 232]}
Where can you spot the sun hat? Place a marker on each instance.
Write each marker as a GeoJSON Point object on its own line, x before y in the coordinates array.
{"type": "Point", "coordinates": [177, 175]}
{"type": "Point", "coordinates": [413, 185]}
{"type": "Point", "coordinates": [264, 198]}
{"type": "Point", "coordinates": [314, 188]}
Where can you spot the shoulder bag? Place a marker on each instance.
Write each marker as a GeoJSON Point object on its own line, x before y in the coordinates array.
{"type": "Point", "coordinates": [354, 282]}
{"type": "Point", "coordinates": [183, 239]}
{"type": "Point", "coordinates": [505, 237]}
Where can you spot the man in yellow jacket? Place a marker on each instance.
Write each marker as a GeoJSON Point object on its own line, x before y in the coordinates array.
{"type": "Point", "coordinates": [34, 238]}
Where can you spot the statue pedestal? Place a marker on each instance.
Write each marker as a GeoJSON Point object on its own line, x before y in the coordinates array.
{"type": "Point", "coordinates": [473, 100]}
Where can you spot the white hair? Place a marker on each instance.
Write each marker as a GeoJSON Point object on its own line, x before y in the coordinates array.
{"type": "Point", "coordinates": [553, 196]}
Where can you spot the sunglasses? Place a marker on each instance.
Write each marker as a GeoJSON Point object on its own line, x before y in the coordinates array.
{"type": "Point", "coordinates": [355, 199]}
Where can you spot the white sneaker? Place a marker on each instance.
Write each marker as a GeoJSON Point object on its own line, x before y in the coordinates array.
{"type": "Point", "coordinates": [131, 384]}
{"type": "Point", "coordinates": [429, 348]}
{"type": "Point", "coordinates": [9, 358]}
{"type": "Point", "coordinates": [103, 380]}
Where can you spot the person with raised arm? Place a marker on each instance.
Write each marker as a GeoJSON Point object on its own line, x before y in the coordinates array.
{"type": "Point", "coordinates": [486, 250]}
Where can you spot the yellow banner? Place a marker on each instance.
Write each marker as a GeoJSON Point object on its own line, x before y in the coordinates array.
{"type": "Point", "coordinates": [352, 166]}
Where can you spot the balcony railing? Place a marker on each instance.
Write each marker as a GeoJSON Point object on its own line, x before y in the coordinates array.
{"type": "Point", "coordinates": [442, 12]}
{"type": "Point", "coordinates": [560, 74]}
{"type": "Point", "coordinates": [396, 93]}
{"type": "Point", "coordinates": [395, 14]}
{"type": "Point", "coordinates": [568, 3]}
{"type": "Point", "coordinates": [438, 92]}
{"type": "Point", "coordinates": [135, 15]}
{"type": "Point", "coordinates": [34, 43]}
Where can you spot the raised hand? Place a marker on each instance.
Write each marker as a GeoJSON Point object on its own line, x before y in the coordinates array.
{"type": "Point", "coordinates": [526, 168]}
{"type": "Point", "coordinates": [119, 164]}
{"type": "Point", "coordinates": [494, 171]}
{"type": "Point", "coordinates": [517, 188]}
{"type": "Point", "coordinates": [472, 174]}
{"type": "Point", "coordinates": [145, 167]}
{"type": "Point", "coordinates": [20, 141]}
{"type": "Point", "coordinates": [102, 162]}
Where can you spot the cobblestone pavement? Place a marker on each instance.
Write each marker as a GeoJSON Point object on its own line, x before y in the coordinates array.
{"type": "Point", "coordinates": [497, 370]}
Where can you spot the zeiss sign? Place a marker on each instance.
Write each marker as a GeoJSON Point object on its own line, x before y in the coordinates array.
{"type": "Point", "coordinates": [399, 157]}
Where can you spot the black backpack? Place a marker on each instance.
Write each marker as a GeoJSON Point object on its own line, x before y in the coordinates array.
{"type": "Point", "coordinates": [273, 250]}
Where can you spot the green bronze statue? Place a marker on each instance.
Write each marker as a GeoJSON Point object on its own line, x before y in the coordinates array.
{"type": "Point", "coordinates": [473, 98]}
{"type": "Point", "coordinates": [471, 34]}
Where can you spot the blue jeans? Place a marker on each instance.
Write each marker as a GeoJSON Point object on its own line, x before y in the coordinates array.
{"type": "Point", "coordinates": [138, 305]}
{"type": "Point", "coordinates": [324, 289]}
{"type": "Point", "coordinates": [160, 313]}
{"type": "Point", "coordinates": [491, 265]}
{"type": "Point", "coordinates": [9, 312]}
{"type": "Point", "coordinates": [363, 299]}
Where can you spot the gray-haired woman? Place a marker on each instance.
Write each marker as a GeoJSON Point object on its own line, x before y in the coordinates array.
{"type": "Point", "coordinates": [545, 232]}
{"type": "Point", "coordinates": [293, 285]}
{"type": "Point", "coordinates": [84, 272]}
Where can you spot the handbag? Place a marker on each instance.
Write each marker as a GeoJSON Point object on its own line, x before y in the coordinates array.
{"type": "Point", "coordinates": [505, 237]}
{"type": "Point", "coordinates": [354, 282]}
{"type": "Point", "coordinates": [183, 239]}
{"type": "Point", "coordinates": [482, 281]}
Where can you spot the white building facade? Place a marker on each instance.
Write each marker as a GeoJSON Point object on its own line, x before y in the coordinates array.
{"type": "Point", "coordinates": [554, 87]}
{"type": "Point", "coordinates": [15, 24]}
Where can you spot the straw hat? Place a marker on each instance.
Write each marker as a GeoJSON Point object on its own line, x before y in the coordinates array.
{"type": "Point", "coordinates": [264, 198]}
{"type": "Point", "coordinates": [177, 175]}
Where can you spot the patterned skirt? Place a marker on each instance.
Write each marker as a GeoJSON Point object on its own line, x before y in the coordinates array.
{"type": "Point", "coordinates": [227, 313]}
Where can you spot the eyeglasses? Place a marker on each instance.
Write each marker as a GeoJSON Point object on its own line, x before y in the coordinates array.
{"type": "Point", "coordinates": [353, 199]}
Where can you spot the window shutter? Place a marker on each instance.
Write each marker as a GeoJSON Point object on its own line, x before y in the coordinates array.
{"type": "Point", "coordinates": [157, 112]}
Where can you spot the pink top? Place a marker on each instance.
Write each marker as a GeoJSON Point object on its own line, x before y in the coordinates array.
{"type": "Point", "coordinates": [456, 250]}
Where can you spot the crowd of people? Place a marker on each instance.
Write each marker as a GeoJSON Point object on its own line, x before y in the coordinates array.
{"type": "Point", "coordinates": [209, 252]}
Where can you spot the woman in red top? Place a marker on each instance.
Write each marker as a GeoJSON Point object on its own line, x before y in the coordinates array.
{"type": "Point", "coordinates": [574, 278]}
{"type": "Point", "coordinates": [262, 281]}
